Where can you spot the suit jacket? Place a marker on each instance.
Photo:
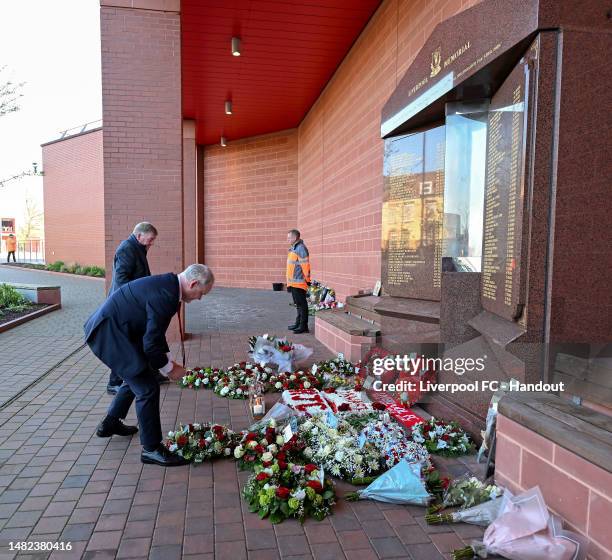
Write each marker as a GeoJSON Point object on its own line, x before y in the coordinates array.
{"type": "Point", "coordinates": [130, 263]}
{"type": "Point", "coordinates": [128, 331]}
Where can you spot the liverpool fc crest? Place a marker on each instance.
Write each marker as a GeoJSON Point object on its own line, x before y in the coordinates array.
{"type": "Point", "coordinates": [436, 62]}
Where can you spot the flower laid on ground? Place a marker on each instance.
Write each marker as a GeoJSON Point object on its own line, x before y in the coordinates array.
{"type": "Point", "coordinates": [262, 447]}
{"type": "Point", "coordinates": [279, 492]}
{"type": "Point", "coordinates": [201, 378]}
{"type": "Point", "coordinates": [294, 381]}
{"type": "Point", "coordinates": [392, 444]}
{"type": "Point", "coordinates": [466, 492]}
{"type": "Point", "coordinates": [442, 438]}
{"type": "Point", "coordinates": [200, 442]}
{"type": "Point", "coordinates": [281, 344]}
{"type": "Point", "coordinates": [337, 448]}
{"type": "Point", "coordinates": [336, 366]}
{"type": "Point", "coordinates": [308, 401]}
{"type": "Point", "coordinates": [344, 400]}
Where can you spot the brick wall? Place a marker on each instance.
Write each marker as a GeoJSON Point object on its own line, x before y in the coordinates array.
{"type": "Point", "coordinates": [141, 85]}
{"type": "Point", "coordinates": [340, 150]}
{"type": "Point", "coordinates": [250, 202]}
{"type": "Point", "coordinates": [73, 186]}
{"type": "Point", "coordinates": [578, 491]}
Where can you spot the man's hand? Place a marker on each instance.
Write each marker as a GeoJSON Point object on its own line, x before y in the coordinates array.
{"type": "Point", "coordinates": [177, 372]}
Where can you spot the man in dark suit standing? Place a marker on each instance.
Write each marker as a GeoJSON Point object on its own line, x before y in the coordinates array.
{"type": "Point", "coordinates": [128, 334]}
{"type": "Point", "coordinates": [130, 263]}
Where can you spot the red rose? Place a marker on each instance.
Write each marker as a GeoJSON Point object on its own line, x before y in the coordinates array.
{"type": "Point", "coordinates": [344, 407]}
{"type": "Point", "coordinates": [315, 485]}
{"type": "Point", "coordinates": [282, 492]}
{"type": "Point", "coordinates": [445, 482]}
{"type": "Point", "coordinates": [378, 406]}
{"type": "Point", "coordinates": [445, 437]}
{"type": "Point", "coordinates": [329, 390]}
{"type": "Point", "coordinates": [202, 443]}
{"type": "Point", "coordinates": [242, 365]}
{"type": "Point", "coordinates": [266, 464]}
{"type": "Point", "coordinates": [282, 465]}
{"type": "Point", "coordinates": [251, 436]}
{"type": "Point", "coordinates": [181, 440]}
{"type": "Point", "coordinates": [259, 449]}
{"type": "Point", "coordinates": [310, 467]}
{"type": "Point", "coordinates": [262, 476]}
{"type": "Point", "coordinates": [281, 456]}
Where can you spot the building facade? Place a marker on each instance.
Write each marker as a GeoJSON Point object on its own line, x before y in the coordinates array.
{"type": "Point", "coordinates": [73, 185]}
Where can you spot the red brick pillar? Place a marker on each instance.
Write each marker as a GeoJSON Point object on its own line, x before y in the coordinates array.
{"type": "Point", "coordinates": [189, 192]}
{"type": "Point", "coordinates": [142, 124]}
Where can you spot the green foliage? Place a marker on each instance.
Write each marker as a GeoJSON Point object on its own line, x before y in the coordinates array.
{"type": "Point", "coordinates": [75, 268]}
{"type": "Point", "coordinates": [11, 299]}
{"type": "Point", "coordinates": [56, 266]}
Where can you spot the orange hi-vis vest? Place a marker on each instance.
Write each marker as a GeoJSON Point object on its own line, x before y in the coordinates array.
{"type": "Point", "coordinates": [298, 266]}
{"type": "Point", "coordinates": [11, 244]}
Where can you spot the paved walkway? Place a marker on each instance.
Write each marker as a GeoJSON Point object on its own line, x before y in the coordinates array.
{"type": "Point", "coordinates": [31, 349]}
{"type": "Point", "coordinates": [59, 482]}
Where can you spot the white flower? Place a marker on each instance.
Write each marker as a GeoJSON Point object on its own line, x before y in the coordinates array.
{"type": "Point", "coordinates": [314, 368]}
{"type": "Point", "coordinates": [358, 459]}
{"type": "Point", "coordinates": [278, 385]}
{"type": "Point", "coordinates": [184, 379]}
{"type": "Point", "coordinates": [441, 444]}
{"type": "Point", "coordinates": [306, 384]}
{"type": "Point", "coordinates": [280, 440]}
{"type": "Point", "coordinates": [339, 456]}
{"type": "Point", "coordinates": [173, 447]}
{"type": "Point", "coordinates": [418, 438]}
{"type": "Point", "coordinates": [308, 452]}
{"type": "Point", "coordinates": [224, 391]}
{"type": "Point", "coordinates": [326, 450]}
{"type": "Point", "coordinates": [206, 381]}
{"type": "Point", "coordinates": [292, 377]}
{"type": "Point", "coordinates": [265, 336]}
{"type": "Point", "coordinates": [197, 382]}
{"type": "Point", "coordinates": [300, 494]}
{"type": "Point", "coordinates": [267, 370]}
{"type": "Point", "coordinates": [272, 448]}
{"type": "Point", "coordinates": [197, 427]}
{"type": "Point", "coordinates": [239, 391]}
{"type": "Point", "coordinates": [252, 444]}
{"type": "Point", "coordinates": [272, 423]}
{"type": "Point", "coordinates": [267, 456]}
{"type": "Point", "coordinates": [227, 451]}
{"type": "Point", "coordinates": [170, 434]}
{"type": "Point", "coordinates": [238, 452]}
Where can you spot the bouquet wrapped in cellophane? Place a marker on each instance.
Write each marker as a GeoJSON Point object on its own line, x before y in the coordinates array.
{"type": "Point", "coordinates": [525, 530]}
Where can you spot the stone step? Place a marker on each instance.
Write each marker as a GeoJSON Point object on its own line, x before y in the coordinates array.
{"type": "Point", "coordinates": [348, 323]}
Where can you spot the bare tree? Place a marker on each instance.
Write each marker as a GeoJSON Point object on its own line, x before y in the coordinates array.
{"type": "Point", "coordinates": [9, 94]}
{"type": "Point", "coordinates": [32, 220]}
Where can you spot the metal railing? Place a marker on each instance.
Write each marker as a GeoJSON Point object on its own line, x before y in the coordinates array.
{"type": "Point", "coordinates": [31, 251]}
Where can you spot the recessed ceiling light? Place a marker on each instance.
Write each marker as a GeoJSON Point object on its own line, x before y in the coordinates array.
{"type": "Point", "coordinates": [236, 46]}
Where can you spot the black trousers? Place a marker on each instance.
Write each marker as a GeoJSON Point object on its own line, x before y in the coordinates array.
{"type": "Point", "coordinates": [143, 387]}
{"type": "Point", "coordinates": [8, 257]}
{"type": "Point", "coordinates": [299, 298]}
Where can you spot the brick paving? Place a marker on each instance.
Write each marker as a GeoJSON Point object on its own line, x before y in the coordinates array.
{"type": "Point", "coordinates": [30, 350]}
{"type": "Point", "coordinates": [59, 482]}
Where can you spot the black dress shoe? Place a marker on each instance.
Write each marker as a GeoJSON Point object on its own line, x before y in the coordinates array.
{"type": "Point", "coordinates": [293, 327]}
{"type": "Point", "coordinates": [301, 330]}
{"type": "Point", "coordinates": [112, 389]}
{"type": "Point", "coordinates": [162, 378]}
{"type": "Point", "coordinates": [113, 427]}
{"type": "Point", "coordinates": [162, 457]}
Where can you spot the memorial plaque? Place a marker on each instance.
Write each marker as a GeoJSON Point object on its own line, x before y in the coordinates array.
{"type": "Point", "coordinates": [413, 212]}
{"type": "Point", "coordinates": [502, 282]}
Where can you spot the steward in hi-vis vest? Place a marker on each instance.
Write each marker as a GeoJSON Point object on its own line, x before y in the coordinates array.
{"type": "Point", "coordinates": [298, 279]}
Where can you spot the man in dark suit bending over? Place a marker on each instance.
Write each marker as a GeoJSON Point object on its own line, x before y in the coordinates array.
{"type": "Point", "coordinates": [128, 334]}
